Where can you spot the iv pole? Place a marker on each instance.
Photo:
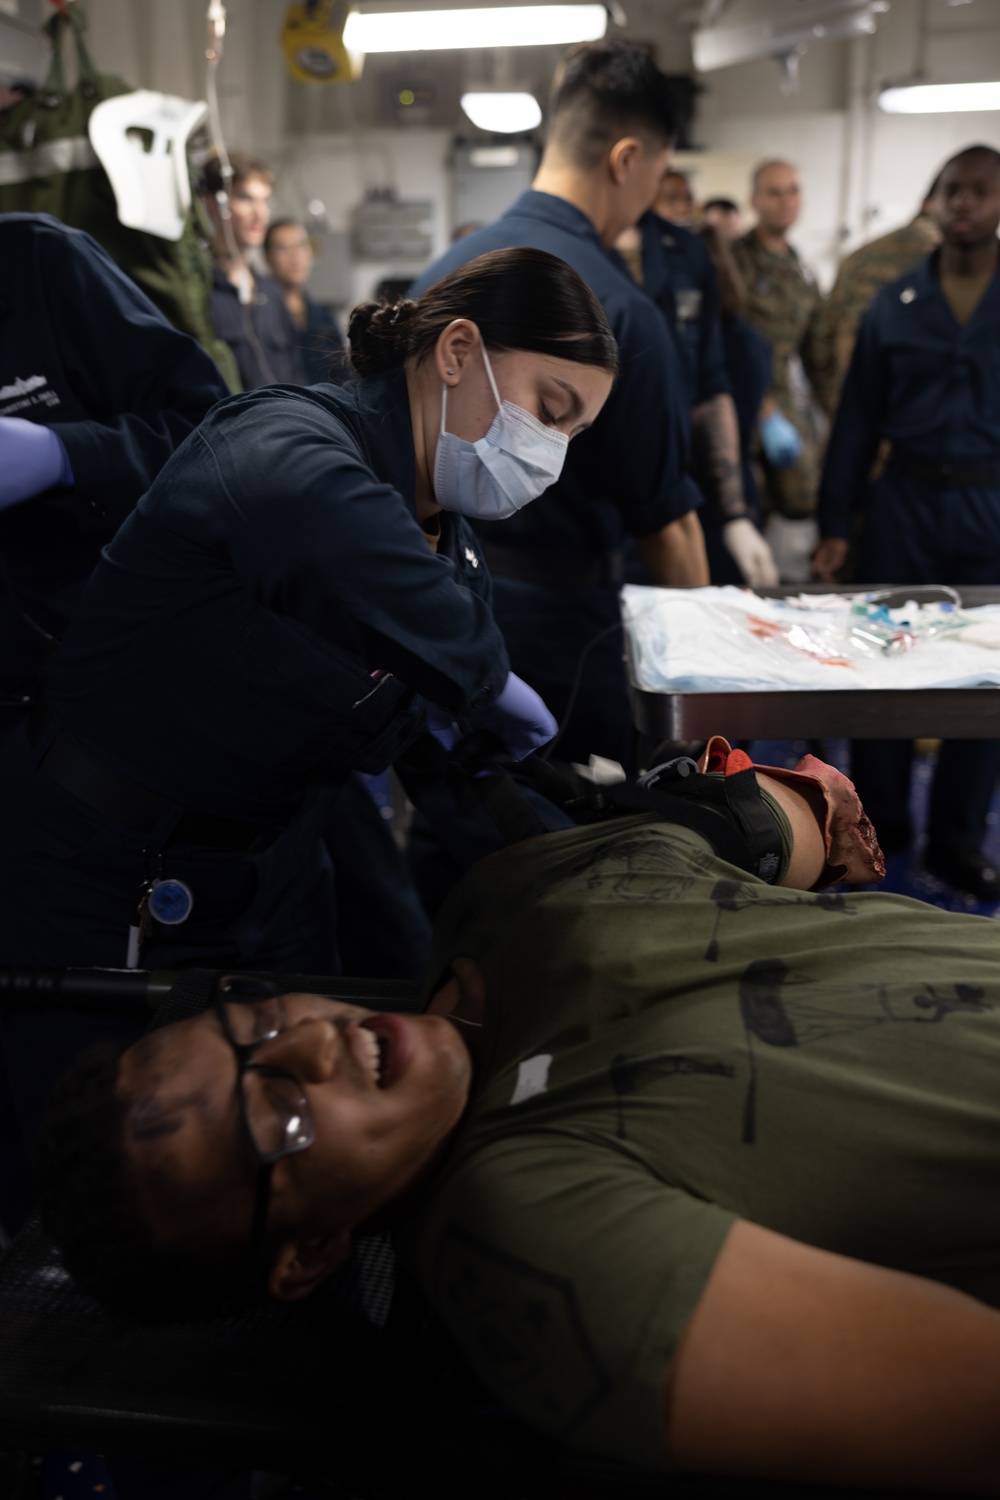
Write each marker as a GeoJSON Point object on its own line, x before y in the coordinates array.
{"type": "Point", "coordinates": [216, 21]}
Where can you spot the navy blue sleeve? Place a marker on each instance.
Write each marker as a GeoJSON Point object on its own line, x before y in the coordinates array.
{"type": "Point", "coordinates": [749, 363]}
{"type": "Point", "coordinates": [315, 536]}
{"type": "Point", "coordinates": [856, 432]}
{"type": "Point", "coordinates": [145, 385]}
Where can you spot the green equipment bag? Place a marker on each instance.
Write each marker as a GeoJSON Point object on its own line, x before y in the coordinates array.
{"type": "Point", "coordinates": [48, 166]}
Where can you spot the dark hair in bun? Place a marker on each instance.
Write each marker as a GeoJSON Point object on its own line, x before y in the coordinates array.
{"type": "Point", "coordinates": [375, 333]}
{"type": "Point", "coordinates": [518, 299]}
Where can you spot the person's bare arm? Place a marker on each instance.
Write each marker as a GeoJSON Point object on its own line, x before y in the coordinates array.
{"type": "Point", "coordinates": [715, 441]}
{"type": "Point", "coordinates": [806, 815]}
{"type": "Point", "coordinates": [715, 446]}
{"type": "Point", "coordinates": [829, 557]}
{"type": "Point", "coordinates": [675, 557]}
{"type": "Point", "coordinates": [798, 1364]}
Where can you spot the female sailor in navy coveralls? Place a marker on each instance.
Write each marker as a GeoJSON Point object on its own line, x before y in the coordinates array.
{"type": "Point", "coordinates": [294, 598]}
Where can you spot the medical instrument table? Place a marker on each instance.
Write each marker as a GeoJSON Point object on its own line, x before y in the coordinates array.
{"type": "Point", "coordinates": [833, 713]}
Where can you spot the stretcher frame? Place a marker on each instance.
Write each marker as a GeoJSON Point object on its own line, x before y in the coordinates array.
{"type": "Point", "coordinates": [833, 713]}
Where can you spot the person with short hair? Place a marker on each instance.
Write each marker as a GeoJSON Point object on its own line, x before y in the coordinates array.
{"type": "Point", "coordinates": [675, 200]}
{"type": "Point", "coordinates": [724, 215]}
{"type": "Point", "coordinates": [557, 568]}
{"type": "Point", "coordinates": [248, 309]}
{"type": "Point", "coordinates": [862, 274]}
{"type": "Point", "coordinates": [698, 1170]}
{"type": "Point", "coordinates": [783, 304]}
{"type": "Point", "coordinates": [289, 254]}
{"type": "Point", "coordinates": [925, 378]}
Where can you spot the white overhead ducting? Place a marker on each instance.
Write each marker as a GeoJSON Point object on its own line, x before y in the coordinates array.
{"type": "Point", "coordinates": [754, 29]}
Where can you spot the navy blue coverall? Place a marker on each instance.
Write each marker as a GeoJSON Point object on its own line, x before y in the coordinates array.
{"type": "Point", "coordinates": [260, 626]}
{"type": "Point", "coordinates": [557, 564]}
{"type": "Point", "coordinates": [678, 274]}
{"type": "Point", "coordinates": [932, 388]}
{"type": "Point", "coordinates": [261, 334]}
{"type": "Point", "coordinates": [84, 352]}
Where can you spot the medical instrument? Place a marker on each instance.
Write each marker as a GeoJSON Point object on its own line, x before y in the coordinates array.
{"type": "Point", "coordinates": [244, 283]}
{"type": "Point", "coordinates": [161, 899]}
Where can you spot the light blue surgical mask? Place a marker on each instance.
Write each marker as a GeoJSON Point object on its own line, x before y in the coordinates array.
{"type": "Point", "coordinates": [512, 465]}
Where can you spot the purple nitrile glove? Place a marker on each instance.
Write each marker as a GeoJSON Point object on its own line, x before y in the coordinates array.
{"type": "Point", "coordinates": [442, 726]}
{"type": "Point", "coordinates": [780, 440]}
{"type": "Point", "coordinates": [32, 460]}
{"type": "Point", "coordinates": [519, 717]}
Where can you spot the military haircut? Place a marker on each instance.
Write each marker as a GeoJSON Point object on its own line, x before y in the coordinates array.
{"type": "Point", "coordinates": [278, 224]}
{"type": "Point", "coordinates": [604, 91]}
{"type": "Point", "coordinates": [244, 167]}
{"type": "Point", "coordinates": [976, 150]}
{"type": "Point", "coordinates": [764, 166]}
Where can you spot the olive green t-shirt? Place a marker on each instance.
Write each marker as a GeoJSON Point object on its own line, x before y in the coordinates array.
{"type": "Point", "coordinates": [671, 1044]}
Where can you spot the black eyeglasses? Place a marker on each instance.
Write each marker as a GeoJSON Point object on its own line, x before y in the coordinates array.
{"type": "Point", "coordinates": [273, 1105]}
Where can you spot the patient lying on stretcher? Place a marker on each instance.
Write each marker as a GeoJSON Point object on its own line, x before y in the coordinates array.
{"type": "Point", "coordinates": [700, 1170]}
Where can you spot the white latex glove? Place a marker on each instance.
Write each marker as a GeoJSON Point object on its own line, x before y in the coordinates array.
{"type": "Point", "coordinates": [792, 544]}
{"type": "Point", "coordinates": [750, 552]}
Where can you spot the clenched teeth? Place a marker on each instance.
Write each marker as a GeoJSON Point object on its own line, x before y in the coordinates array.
{"type": "Point", "coordinates": [374, 1051]}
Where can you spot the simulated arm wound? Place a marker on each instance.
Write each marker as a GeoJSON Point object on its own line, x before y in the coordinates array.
{"type": "Point", "coordinates": [832, 837]}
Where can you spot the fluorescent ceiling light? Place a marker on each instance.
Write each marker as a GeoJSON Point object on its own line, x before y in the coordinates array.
{"type": "Point", "coordinates": [504, 113]}
{"type": "Point", "coordinates": [491, 157]}
{"type": "Point", "coordinates": [940, 98]}
{"type": "Point", "coordinates": [494, 26]}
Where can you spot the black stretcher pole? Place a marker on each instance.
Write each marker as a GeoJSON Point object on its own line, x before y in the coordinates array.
{"type": "Point", "coordinates": [113, 991]}
{"type": "Point", "coordinates": [132, 992]}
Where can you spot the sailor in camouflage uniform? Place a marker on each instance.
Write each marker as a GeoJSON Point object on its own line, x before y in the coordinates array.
{"type": "Point", "coordinates": [783, 304]}
{"type": "Point", "coordinates": [862, 274]}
